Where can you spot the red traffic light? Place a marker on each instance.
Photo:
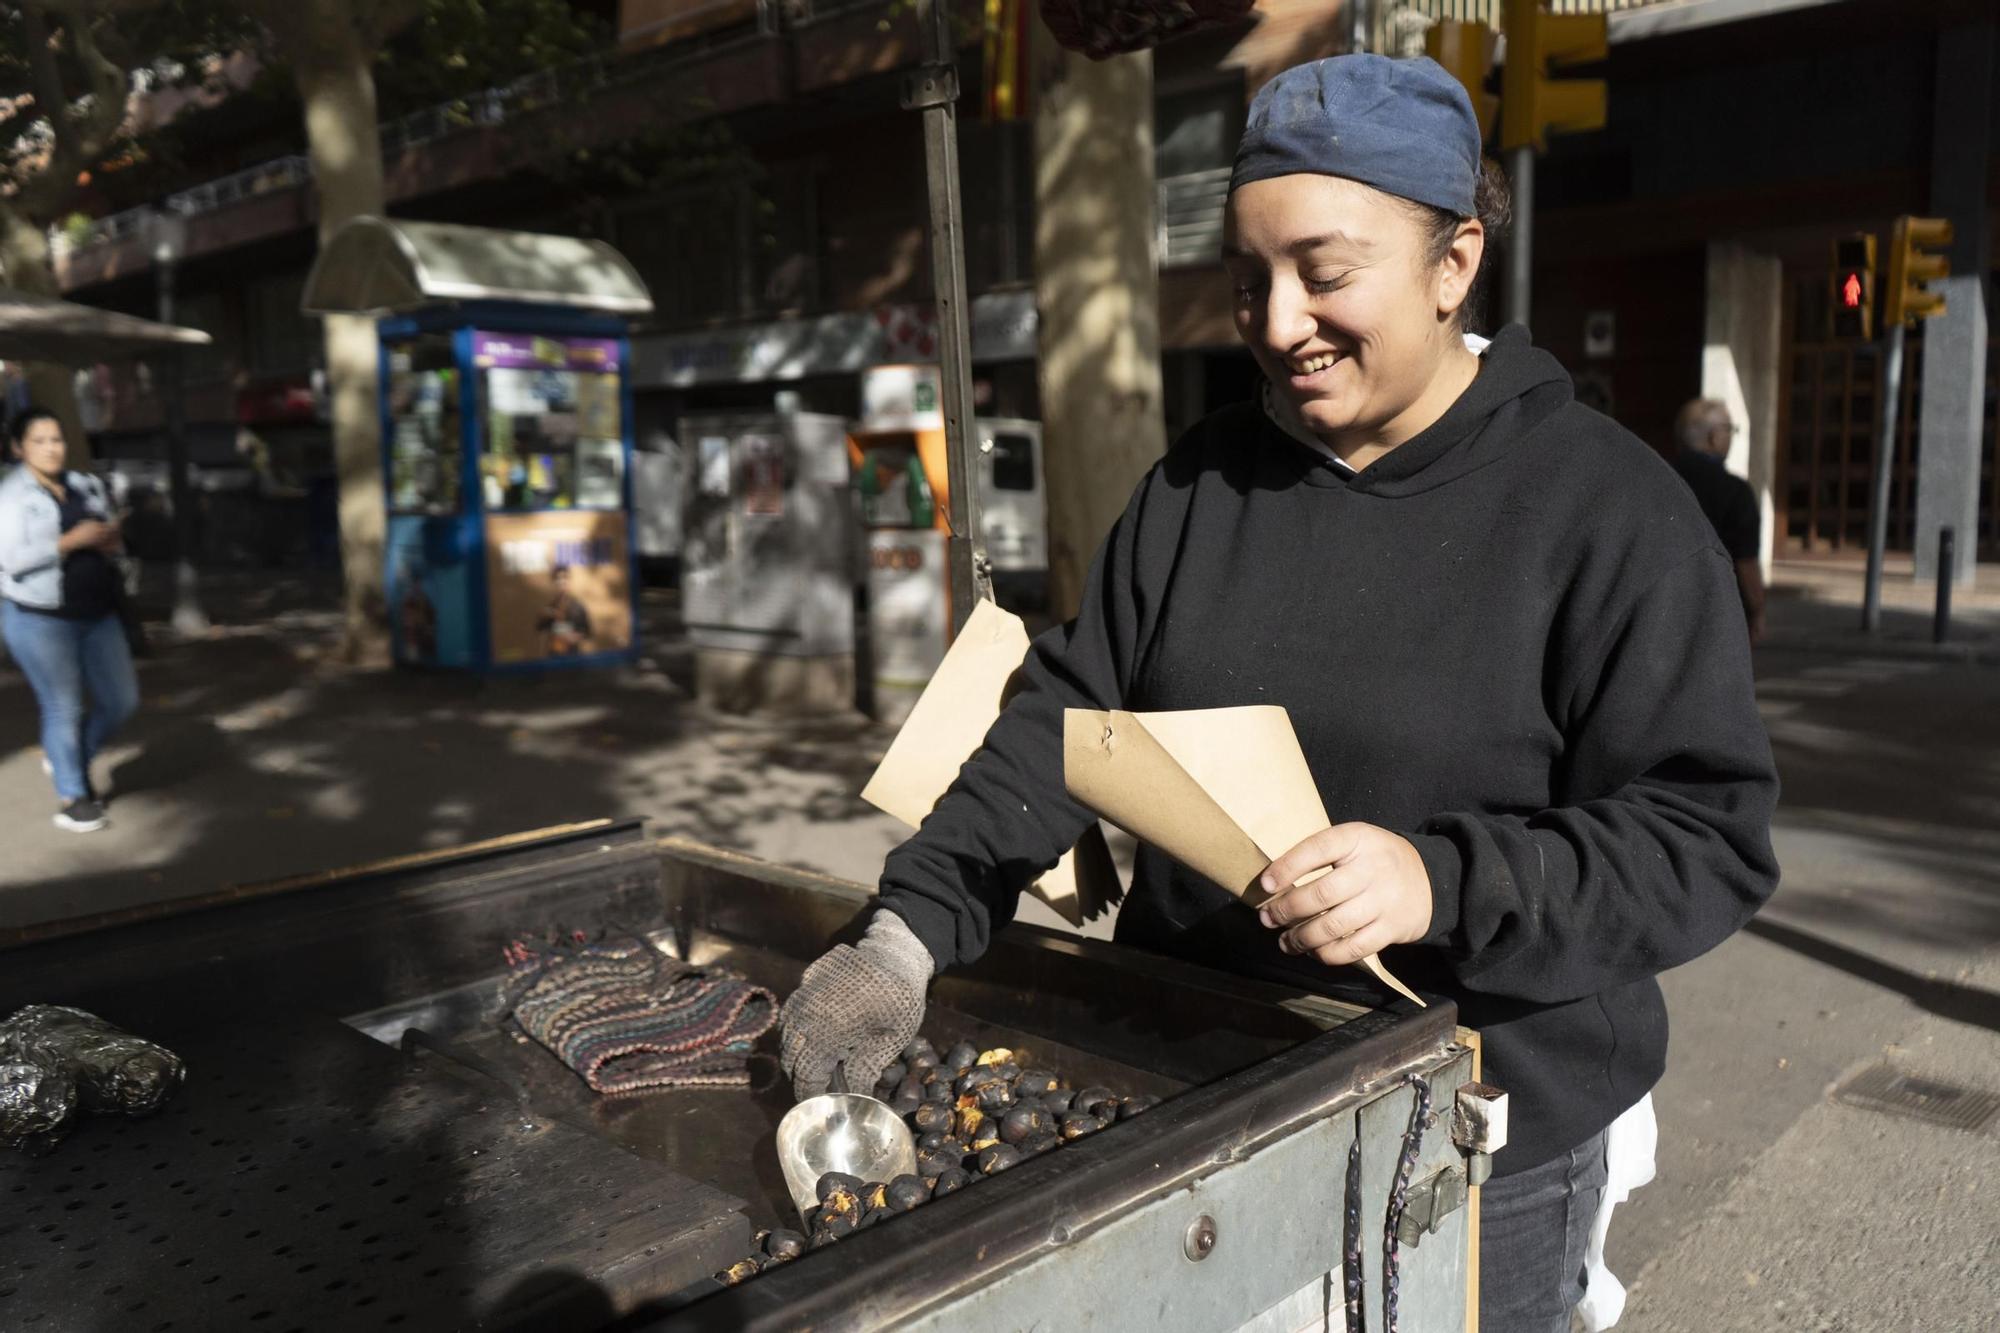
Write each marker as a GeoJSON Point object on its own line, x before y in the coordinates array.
{"type": "Point", "coordinates": [1850, 291]}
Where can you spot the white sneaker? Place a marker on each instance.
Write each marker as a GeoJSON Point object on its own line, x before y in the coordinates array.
{"type": "Point", "coordinates": [82, 816]}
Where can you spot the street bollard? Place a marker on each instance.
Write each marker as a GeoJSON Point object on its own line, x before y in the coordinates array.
{"type": "Point", "coordinates": [1947, 573]}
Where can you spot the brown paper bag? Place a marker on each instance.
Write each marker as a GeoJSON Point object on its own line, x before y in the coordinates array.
{"type": "Point", "coordinates": [1224, 791]}
{"type": "Point", "coordinates": [949, 722]}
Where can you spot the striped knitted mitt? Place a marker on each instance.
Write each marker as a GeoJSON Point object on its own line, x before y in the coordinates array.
{"type": "Point", "coordinates": [631, 1019]}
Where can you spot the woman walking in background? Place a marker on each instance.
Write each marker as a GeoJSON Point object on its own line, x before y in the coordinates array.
{"type": "Point", "coordinates": [59, 610]}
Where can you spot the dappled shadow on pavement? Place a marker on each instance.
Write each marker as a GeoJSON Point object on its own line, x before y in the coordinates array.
{"type": "Point", "coordinates": [1961, 1004]}
{"type": "Point", "coordinates": [257, 757]}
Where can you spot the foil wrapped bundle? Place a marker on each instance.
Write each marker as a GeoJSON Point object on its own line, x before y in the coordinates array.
{"type": "Point", "coordinates": [56, 1061]}
{"type": "Point", "coordinates": [37, 1107]}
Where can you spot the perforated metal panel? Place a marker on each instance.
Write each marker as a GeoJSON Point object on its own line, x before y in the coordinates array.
{"type": "Point", "coordinates": [306, 1178]}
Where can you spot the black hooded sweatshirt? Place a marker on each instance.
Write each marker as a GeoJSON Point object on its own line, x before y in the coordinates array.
{"type": "Point", "coordinates": [1514, 639]}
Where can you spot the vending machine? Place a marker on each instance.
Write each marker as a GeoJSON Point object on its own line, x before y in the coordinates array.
{"type": "Point", "coordinates": [897, 449]}
{"type": "Point", "coordinates": [769, 561]}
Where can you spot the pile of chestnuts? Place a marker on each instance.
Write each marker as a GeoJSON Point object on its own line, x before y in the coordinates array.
{"type": "Point", "coordinates": [974, 1113]}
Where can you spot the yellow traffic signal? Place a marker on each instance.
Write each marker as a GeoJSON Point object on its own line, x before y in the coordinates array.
{"type": "Point", "coordinates": [1538, 44]}
{"type": "Point", "coordinates": [1851, 289]}
{"type": "Point", "coordinates": [1466, 52]}
{"type": "Point", "coordinates": [1911, 265]}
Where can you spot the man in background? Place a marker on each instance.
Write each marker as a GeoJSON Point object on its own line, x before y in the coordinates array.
{"type": "Point", "coordinates": [1704, 430]}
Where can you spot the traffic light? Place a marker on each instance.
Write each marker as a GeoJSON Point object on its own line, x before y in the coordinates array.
{"type": "Point", "coordinates": [1851, 287]}
{"type": "Point", "coordinates": [1911, 265]}
{"type": "Point", "coordinates": [1466, 52]}
{"type": "Point", "coordinates": [1532, 103]}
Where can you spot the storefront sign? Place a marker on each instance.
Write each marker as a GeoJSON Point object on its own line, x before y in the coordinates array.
{"type": "Point", "coordinates": [522, 351]}
{"type": "Point", "coordinates": [1003, 329]}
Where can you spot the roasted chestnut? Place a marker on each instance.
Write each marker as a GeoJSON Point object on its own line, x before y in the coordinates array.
{"type": "Point", "coordinates": [995, 1097]}
{"type": "Point", "coordinates": [1138, 1105]}
{"type": "Point", "coordinates": [836, 1180]}
{"type": "Point", "coordinates": [783, 1244]}
{"type": "Point", "coordinates": [998, 1158]}
{"type": "Point", "coordinates": [1035, 1083]}
{"type": "Point", "coordinates": [918, 1049]}
{"type": "Point", "coordinates": [912, 1087]}
{"type": "Point", "coordinates": [874, 1215]}
{"type": "Point", "coordinates": [893, 1075]}
{"type": "Point", "coordinates": [907, 1192]}
{"type": "Point", "coordinates": [931, 1117]}
{"type": "Point", "coordinates": [932, 1163]}
{"type": "Point", "coordinates": [1077, 1124]}
{"type": "Point", "coordinates": [961, 1057]}
{"type": "Point", "coordinates": [1041, 1143]}
{"type": "Point", "coordinates": [1024, 1123]}
{"type": "Point", "coordinates": [967, 1124]}
{"type": "Point", "coordinates": [736, 1272]}
{"type": "Point", "coordinates": [950, 1182]}
{"type": "Point", "coordinates": [999, 1055]}
{"type": "Point", "coordinates": [905, 1103]}
{"type": "Point", "coordinates": [1097, 1101]}
{"type": "Point", "coordinates": [926, 1142]}
{"type": "Point", "coordinates": [841, 1203]}
{"type": "Point", "coordinates": [1058, 1101]}
{"type": "Point", "coordinates": [939, 1091]}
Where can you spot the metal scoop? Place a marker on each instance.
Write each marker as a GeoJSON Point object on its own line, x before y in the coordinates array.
{"type": "Point", "coordinates": [841, 1131]}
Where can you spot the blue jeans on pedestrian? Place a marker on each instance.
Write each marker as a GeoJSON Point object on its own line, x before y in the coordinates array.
{"type": "Point", "coordinates": [81, 673]}
{"type": "Point", "coordinates": [1534, 1227]}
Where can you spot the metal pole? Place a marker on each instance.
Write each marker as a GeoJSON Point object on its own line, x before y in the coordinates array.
{"type": "Point", "coordinates": [1521, 249]}
{"type": "Point", "coordinates": [1947, 574]}
{"type": "Point", "coordinates": [933, 90]}
{"type": "Point", "coordinates": [1878, 494]}
{"type": "Point", "coordinates": [188, 618]}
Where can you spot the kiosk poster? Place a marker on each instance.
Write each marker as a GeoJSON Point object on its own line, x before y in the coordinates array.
{"type": "Point", "coordinates": [430, 616]}
{"type": "Point", "coordinates": [558, 585]}
{"type": "Point", "coordinates": [554, 422]}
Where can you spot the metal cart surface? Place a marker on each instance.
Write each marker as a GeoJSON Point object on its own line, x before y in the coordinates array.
{"type": "Point", "coordinates": [361, 1144]}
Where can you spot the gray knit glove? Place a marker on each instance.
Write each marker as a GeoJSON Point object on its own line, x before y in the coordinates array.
{"type": "Point", "coordinates": [858, 1006]}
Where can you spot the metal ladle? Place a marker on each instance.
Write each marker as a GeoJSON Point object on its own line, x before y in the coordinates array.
{"type": "Point", "coordinates": [841, 1131]}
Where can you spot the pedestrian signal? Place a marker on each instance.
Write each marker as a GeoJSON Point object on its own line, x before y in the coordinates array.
{"type": "Point", "coordinates": [1913, 266]}
{"type": "Point", "coordinates": [1466, 52]}
{"type": "Point", "coordinates": [1532, 101]}
{"type": "Point", "coordinates": [1852, 289]}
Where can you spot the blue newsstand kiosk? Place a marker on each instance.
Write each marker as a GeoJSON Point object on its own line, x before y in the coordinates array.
{"type": "Point", "coordinates": [506, 439]}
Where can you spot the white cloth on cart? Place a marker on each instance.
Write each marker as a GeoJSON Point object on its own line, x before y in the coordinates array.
{"type": "Point", "coordinates": [1629, 1147]}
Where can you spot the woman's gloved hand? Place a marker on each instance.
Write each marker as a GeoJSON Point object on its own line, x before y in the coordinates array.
{"type": "Point", "coordinates": [856, 1005]}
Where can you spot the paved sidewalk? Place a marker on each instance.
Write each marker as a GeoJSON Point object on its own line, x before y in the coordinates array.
{"type": "Point", "coordinates": [257, 757]}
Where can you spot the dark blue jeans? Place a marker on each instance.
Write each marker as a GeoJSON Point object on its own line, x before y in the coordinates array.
{"type": "Point", "coordinates": [82, 676]}
{"type": "Point", "coordinates": [1533, 1229]}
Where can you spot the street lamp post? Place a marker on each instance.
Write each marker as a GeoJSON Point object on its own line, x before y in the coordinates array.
{"type": "Point", "coordinates": [169, 234]}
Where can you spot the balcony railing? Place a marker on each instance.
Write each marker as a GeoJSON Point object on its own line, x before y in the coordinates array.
{"type": "Point", "coordinates": [1399, 25]}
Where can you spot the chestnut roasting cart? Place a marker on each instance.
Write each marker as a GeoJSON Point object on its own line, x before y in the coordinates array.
{"type": "Point", "coordinates": [360, 1143]}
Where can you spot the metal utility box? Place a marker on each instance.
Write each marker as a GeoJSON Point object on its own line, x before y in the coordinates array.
{"type": "Point", "coordinates": [769, 561]}
{"type": "Point", "coordinates": [360, 1142]}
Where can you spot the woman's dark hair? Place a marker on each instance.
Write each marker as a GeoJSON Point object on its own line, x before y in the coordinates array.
{"type": "Point", "coordinates": [17, 425]}
{"type": "Point", "coordinates": [1494, 202]}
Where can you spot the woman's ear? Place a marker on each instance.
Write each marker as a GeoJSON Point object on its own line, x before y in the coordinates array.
{"type": "Point", "coordinates": [1460, 266]}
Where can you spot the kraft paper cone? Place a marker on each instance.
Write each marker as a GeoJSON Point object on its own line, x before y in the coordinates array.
{"type": "Point", "coordinates": [949, 723]}
{"type": "Point", "coordinates": [1224, 791]}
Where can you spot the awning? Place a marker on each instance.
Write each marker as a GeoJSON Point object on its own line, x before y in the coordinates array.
{"type": "Point", "coordinates": [41, 328]}
{"type": "Point", "coordinates": [379, 266]}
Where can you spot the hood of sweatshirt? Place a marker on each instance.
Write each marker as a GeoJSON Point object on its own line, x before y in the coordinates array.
{"type": "Point", "coordinates": [1518, 387]}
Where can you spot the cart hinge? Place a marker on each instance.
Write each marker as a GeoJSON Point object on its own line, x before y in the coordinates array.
{"type": "Point", "coordinates": [1431, 1202]}
{"type": "Point", "coordinates": [929, 86]}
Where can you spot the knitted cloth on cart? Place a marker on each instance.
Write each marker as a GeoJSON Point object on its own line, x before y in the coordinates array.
{"type": "Point", "coordinates": [630, 1019]}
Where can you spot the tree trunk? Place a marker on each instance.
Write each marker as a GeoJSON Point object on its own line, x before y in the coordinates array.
{"type": "Point", "coordinates": [337, 87]}
{"type": "Point", "coordinates": [24, 259]}
{"type": "Point", "coordinates": [1097, 294]}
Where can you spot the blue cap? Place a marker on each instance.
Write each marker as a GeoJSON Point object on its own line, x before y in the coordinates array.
{"type": "Point", "coordinates": [1403, 126]}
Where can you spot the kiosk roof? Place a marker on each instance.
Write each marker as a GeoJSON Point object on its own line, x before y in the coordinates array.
{"type": "Point", "coordinates": [377, 266]}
